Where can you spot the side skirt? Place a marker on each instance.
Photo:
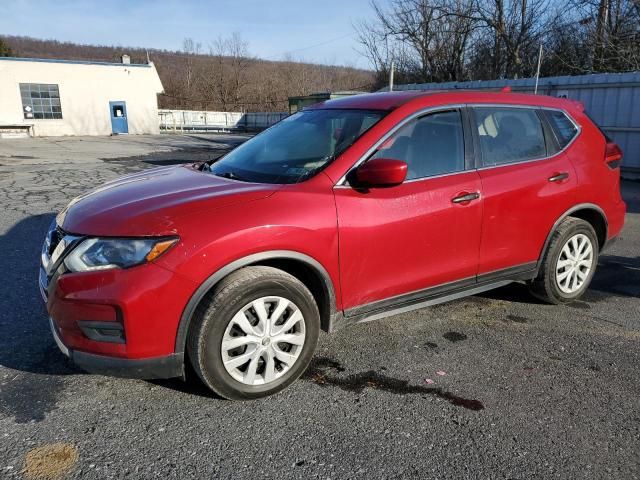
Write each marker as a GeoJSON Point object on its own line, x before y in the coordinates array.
{"type": "Point", "coordinates": [435, 295]}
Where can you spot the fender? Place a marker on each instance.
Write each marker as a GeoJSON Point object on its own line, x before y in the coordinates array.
{"type": "Point", "coordinates": [187, 314]}
{"type": "Point", "coordinates": [575, 208]}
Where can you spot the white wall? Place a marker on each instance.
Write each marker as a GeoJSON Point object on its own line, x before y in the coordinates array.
{"type": "Point", "coordinates": [85, 93]}
{"type": "Point", "coordinates": [176, 120]}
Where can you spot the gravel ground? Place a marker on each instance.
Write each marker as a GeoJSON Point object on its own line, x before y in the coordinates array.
{"type": "Point", "coordinates": [492, 386]}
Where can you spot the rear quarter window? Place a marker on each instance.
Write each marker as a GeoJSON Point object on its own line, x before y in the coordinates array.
{"type": "Point", "coordinates": [563, 127]}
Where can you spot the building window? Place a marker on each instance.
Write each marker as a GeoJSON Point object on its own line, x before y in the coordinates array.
{"type": "Point", "coordinates": [40, 101]}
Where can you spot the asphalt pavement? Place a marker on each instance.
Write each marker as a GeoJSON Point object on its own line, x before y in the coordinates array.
{"type": "Point", "coordinates": [493, 386]}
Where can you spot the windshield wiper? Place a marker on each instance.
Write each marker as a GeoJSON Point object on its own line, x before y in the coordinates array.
{"type": "Point", "coordinates": [231, 176]}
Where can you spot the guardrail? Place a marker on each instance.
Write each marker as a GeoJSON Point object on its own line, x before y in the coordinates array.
{"type": "Point", "coordinates": [206, 121]}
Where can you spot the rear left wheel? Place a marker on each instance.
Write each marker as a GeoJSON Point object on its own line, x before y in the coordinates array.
{"type": "Point", "coordinates": [568, 264]}
{"type": "Point", "coordinates": [255, 334]}
{"type": "Point", "coordinates": [574, 264]}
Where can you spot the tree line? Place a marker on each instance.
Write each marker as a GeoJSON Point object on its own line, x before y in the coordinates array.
{"type": "Point", "coordinates": [426, 40]}
{"type": "Point", "coordinates": [230, 78]}
{"type": "Point", "coordinates": [458, 40]}
{"type": "Point", "coordinates": [223, 76]}
{"type": "Point", "coordinates": [5, 49]}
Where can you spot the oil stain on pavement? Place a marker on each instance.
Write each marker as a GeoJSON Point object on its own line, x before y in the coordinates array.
{"type": "Point", "coordinates": [321, 367]}
{"type": "Point", "coordinates": [454, 336]}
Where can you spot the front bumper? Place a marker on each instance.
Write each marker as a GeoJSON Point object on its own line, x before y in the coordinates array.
{"type": "Point", "coordinates": [120, 322]}
{"type": "Point", "coordinates": [168, 366]}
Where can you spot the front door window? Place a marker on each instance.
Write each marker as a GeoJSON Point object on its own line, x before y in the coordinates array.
{"type": "Point", "coordinates": [430, 145]}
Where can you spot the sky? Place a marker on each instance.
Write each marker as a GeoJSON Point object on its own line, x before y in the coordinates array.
{"type": "Point", "coordinates": [319, 31]}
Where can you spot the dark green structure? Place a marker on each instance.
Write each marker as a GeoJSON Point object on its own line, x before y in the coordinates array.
{"type": "Point", "coordinates": [298, 103]}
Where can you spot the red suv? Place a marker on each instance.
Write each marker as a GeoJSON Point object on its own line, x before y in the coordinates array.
{"type": "Point", "coordinates": [352, 210]}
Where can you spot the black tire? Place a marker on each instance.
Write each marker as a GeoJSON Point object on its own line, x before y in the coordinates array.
{"type": "Point", "coordinates": [216, 311]}
{"type": "Point", "coordinates": [545, 286]}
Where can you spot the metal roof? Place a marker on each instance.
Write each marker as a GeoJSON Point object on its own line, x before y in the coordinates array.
{"type": "Point", "coordinates": [75, 62]}
{"type": "Point", "coordinates": [602, 80]}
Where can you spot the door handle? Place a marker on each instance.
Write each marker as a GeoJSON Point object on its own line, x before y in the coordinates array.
{"type": "Point", "coordinates": [466, 197]}
{"type": "Point", "coordinates": [558, 177]}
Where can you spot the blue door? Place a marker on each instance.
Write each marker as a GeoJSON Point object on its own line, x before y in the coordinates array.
{"type": "Point", "coordinates": [118, 117]}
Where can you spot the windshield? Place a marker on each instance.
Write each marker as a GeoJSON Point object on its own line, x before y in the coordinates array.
{"type": "Point", "coordinates": [296, 148]}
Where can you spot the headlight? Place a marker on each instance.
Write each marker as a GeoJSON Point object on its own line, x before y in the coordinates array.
{"type": "Point", "coordinates": [106, 253]}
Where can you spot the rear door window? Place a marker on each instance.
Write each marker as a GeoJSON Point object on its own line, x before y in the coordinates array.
{"type": "Point", "coordinates": [563, 127]}
{"type": "Point", "coordinates": [509, 135]}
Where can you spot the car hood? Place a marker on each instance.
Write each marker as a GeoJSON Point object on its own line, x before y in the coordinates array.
{"type": "Point", "coordinates": [149, 202]}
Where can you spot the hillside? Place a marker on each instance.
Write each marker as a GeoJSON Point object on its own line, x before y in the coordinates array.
{"type": "Point", "coordinates": [229, 79]}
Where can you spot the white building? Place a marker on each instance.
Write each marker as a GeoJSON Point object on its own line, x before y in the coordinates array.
{"type": "Point", "coordinates": [62, 97]}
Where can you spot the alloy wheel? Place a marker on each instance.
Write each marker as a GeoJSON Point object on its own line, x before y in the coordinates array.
{"type": "Point", "coordinates": [263, 340]}
{"type": "Point", "coordinates": [574, 263]}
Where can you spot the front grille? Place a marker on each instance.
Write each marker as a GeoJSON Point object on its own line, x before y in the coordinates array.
{"type": "Point", "coordinates": [54, 236]}
{"type": "Point", "coordinates": [53, 239]}
{"type": "Point", "coordinates": [56, 247]}
{"type": "Point", "coordinates": [43, 282]}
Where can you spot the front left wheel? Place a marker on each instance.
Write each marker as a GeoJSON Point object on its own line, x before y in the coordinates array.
{"type": "Point", "coordinates": [254, 334]}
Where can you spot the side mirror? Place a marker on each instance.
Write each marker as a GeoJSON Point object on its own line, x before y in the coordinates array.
{"type": "Point", "coordinates": [381, 172]}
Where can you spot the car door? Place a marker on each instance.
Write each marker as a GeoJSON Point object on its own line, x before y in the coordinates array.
{"type": "Point", "coordinates": [422, 233]}
{"type": "Point", "coordinates": [527, 185]}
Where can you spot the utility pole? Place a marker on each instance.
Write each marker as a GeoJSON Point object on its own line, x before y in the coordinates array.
{"type": "Point", "coordinates": [393, 65]}
{"type": "Point", "coordinates": [535, 91]}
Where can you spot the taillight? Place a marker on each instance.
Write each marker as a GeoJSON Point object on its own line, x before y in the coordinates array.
{"type": "Point", "coordinates": [613, 155]}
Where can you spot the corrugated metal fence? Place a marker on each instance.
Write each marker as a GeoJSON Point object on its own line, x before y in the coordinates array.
{"type": "Point", "coordinates": [611, 99]}
{"type": "Point", "coordinates": [202, 121]}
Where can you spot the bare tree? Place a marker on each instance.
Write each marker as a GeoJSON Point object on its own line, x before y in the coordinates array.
{"type": "Point", "coordinates": [428, 40]}
{"type": "Point", "coordinates": [612, 29]}
{"type": "Point", "coordinates": [512, 33]}
{"type": "Point", "coordinates": [440, 40]}
{"type": "Point", "coordinates": [231, 57]}
{"type": "Point", "coordinates": [5, 50]}
{"type": "Point", "coordinates": [374, 45]}
{"type": "Point", "coordinates": [191, 50]}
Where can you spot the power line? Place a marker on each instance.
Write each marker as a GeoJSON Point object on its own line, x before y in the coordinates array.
{"type": "Point", "coordinates": [180, 54]}
{"type": "Point", "coordinates": [326, 42]}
